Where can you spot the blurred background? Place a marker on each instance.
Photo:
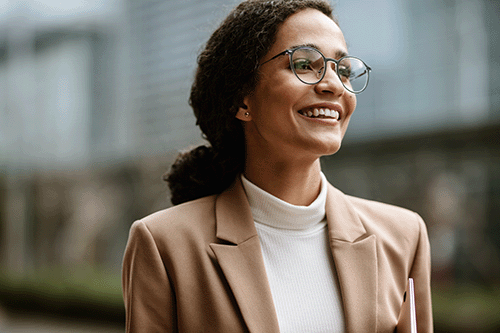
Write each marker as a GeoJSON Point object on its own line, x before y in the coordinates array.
{"type": "Point", "coordinates": [93, 110]}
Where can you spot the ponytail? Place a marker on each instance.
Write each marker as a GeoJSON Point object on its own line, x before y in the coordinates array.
{"type": "Point", "coordinates": [201, 172]}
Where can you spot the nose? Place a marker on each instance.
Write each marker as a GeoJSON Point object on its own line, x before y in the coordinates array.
{"type": "Point", "coordinates": [331, 82]}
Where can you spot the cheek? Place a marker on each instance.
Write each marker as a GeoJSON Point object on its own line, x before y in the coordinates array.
{"type": "Point", "coordinates": [351, 102]}
{"type": "Point", "coordinates": [350, 106]}
{"type": "Point", "coordinates": [271, 101]}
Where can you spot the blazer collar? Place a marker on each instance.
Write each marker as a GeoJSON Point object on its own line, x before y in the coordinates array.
{"type": "Point", "coordinates": [355, 255]}
{"type": "Point", "coordinates": [233, 215]}
{"type": "Point", "coordinates": [343, 219]}
{"type": "Point", "coordinates": [235, 222]}
{"type": "Point", "coordinates": [240, 257]}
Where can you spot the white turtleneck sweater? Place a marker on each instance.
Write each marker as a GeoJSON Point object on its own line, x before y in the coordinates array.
{"type": "Point", "coordinates": [298, 260]}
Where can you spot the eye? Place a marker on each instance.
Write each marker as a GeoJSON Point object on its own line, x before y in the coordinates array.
{"type": "Point", "coordinates": [345, 71]}
{"type": "Point", "coordinates": [302, 64]}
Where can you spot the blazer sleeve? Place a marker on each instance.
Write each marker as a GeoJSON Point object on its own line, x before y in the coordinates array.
{"type": "Point", "coordinates": [421, 274]}
{"type": "Point", "coordinates": [147, 293]}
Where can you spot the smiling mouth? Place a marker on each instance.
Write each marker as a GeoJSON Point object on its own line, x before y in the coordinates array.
{"type": "Point", "coordinates": [320, 113]}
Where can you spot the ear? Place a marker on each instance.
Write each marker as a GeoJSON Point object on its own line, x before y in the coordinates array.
{"type": "Point", "coordinates": [243, 113]}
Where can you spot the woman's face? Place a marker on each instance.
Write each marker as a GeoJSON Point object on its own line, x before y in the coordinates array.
{"type": "Point", "coordinates": [278, 123]}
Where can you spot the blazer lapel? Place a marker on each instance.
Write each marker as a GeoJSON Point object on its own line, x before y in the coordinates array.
{"type": "Point", "coordinates": [355, 256]}
{"type": "Point", "coordinates": [241, 261]}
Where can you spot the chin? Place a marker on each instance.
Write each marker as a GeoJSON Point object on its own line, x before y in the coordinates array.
{"type": "Point", "coordinates": [326, 150]}
{"type": "Point", "coordinates": [332, 151]}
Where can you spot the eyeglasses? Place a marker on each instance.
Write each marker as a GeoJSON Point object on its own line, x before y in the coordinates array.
{"type": "Point", "coordinates": [308, 65]}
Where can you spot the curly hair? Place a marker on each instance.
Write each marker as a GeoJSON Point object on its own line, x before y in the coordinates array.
{"type": "Point", "coordinates": [227, 72]}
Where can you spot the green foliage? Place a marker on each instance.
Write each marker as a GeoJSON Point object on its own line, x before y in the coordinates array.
{"type": "Point", "coordinates": [466, 308]}
{"type": "Point", "coordinates": [84, 292]}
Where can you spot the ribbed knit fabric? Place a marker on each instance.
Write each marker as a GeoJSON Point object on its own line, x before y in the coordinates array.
{"type": "Point", "coordinates": [298, 260]}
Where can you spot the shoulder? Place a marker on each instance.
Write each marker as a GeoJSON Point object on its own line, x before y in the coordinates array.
{"type": "Point", "coordinates": [401, 234]}
{"type": "Point", "coordinates": [379, 211]}
{"type": "Point", "coordinates": [390, 223]}
{"type": "Point", "coordinates": [190, 222]}
{"type": "Point", "coordinates": [191, 210]}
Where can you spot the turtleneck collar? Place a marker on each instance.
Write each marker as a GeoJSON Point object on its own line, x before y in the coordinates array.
{"type": "Point", "coordinates": [274, 212]}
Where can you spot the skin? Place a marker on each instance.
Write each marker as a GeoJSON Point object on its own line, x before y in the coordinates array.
{"type": "Point", "coordinates": [283, 147]}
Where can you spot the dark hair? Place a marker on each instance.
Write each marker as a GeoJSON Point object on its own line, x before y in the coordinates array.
{"type": "Point", "coordinates": [227, 72]}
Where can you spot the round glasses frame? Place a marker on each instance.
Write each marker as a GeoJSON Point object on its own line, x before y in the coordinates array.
{"type": "Point", "coordinates": [290, 53]}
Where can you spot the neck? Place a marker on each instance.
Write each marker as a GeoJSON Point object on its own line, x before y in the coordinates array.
{"type": "Point", "coordinates": [298, 184]}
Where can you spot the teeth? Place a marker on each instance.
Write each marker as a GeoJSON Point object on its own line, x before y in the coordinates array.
{"type": "Point", "coordinates": [316, 112]}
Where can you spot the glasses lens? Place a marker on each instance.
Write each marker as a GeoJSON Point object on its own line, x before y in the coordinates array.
{"type": "Point", "coordinates": [307, 64]}
{"type": "Point", "coordinates": [353, 73]}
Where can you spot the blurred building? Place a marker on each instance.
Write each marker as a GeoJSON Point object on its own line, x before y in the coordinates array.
{"type": "Point", "coordinates": [63, 74]}
{"type": "Point", "coordinates": [166, 38]}
{"type": "Point", "coordinates": [435, 65]}
{"type": "Point", "coordinates": [93, 107]}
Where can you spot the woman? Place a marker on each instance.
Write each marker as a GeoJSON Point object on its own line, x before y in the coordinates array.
{"type": "Point", "coordinates": [260, 241]}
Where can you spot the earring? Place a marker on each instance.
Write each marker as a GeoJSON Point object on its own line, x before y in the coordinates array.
{"type": "Point", "coordinates": [247, 114]}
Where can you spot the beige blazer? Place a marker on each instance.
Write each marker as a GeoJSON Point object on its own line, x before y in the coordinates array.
{"type": "Point", "coordinates": [198, 266]}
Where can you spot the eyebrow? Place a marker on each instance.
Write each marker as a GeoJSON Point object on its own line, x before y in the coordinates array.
{"type": "Point", "coordinates": [338, 54]}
